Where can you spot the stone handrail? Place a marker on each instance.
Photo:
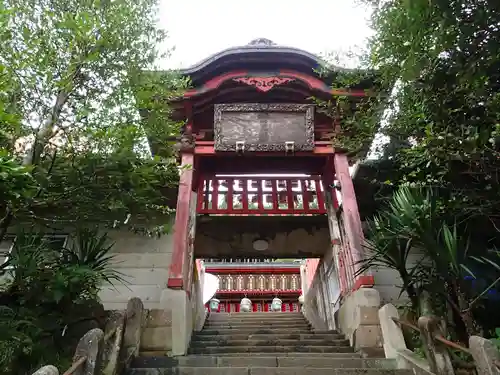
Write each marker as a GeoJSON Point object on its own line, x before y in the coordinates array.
{"type": "Point", "coordinates": [486, 356]}
{"type": "Point", "coordinates": [107, 353]}
{"type": "Point", "coordinates": [199, 307]}
{"type": "Point", "coordinates": [310, 308]}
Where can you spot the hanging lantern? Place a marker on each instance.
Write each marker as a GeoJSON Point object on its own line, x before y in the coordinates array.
{"type": "Point", "coordinates": [245, 305]}
{"type": "Point", "coordinates": [276, 305]}
{"type": "Point", "coordinates": [214, 305]}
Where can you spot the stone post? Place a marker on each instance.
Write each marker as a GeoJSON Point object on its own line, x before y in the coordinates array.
{"type": "Point", "coordinates": [201, 313]}
{"type": "Point", "coordinates": [358, 319]}
{"type": "Point", "coordinates": [436, 353]}
{"type": "Point", "coordinates": [114, 343]}
{"type": "Point", "coordinates": [177, 301]}
{"type": "Point", "coordinates": [91, 347]}
{"type": "Point", "coordinates": [485, 354]}
{"type": "Point", "coordinates": [133, 330]}
{"type": "Point", "coordinates": [47, 370]}
{"type": "Point", "coordinates": [392, 334]}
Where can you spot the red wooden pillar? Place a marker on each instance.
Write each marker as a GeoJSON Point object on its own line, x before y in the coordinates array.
{"type": "Point", "coordinates": [181, 227]}
{"type": "Point", "coordinates": [352, 220]}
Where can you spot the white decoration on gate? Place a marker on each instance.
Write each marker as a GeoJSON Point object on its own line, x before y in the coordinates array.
{"type": "Point", "coordinates": [214, 305]}
{"type": "Point", "coordinates": [245, 305]}
{"type": "Point", "coordinates": [276, 305]}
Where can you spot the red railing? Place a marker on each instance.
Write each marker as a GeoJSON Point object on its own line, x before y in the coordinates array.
{"type": "Point", "coordinates": [347, 272]}
{"type": "Point", "coordinates": [261, 196]}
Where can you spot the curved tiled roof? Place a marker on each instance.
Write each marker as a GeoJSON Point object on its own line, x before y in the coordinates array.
{"type": "Point", "coordinates": [260, 45]}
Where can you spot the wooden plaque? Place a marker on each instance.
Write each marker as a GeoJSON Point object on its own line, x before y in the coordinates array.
{"type": "Point", "coordinates": [264, 127]}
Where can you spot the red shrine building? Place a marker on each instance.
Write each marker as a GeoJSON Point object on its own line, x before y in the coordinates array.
{"type": "Point", "coordinates": [260, 280]}
{"type": "Point", "coordinates": [263, 179]}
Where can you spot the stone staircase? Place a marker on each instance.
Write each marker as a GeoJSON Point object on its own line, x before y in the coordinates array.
{"type": "Point", "coordinates": [264, 344]}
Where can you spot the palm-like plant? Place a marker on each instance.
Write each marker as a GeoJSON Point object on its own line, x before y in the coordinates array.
{"type": "Point", "coordinates": [27, 265]}
{"type": "Point", "coordinates": [386, 247]}
{"type": "Point", "coordinates": [92, 250]}
{"type": "Point", "coordinates": [415, 220]}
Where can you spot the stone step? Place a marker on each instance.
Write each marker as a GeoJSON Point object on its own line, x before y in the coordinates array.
{"type": "Point", "coordinates": [256, 322]}
{"type": "Point", "coordinates": [351, 354]}
{"type": "Point", "coordinates": [258, 361]}
{"type": "Point", "coordinates": [256, 325]}
{"type": "Point", "coordinates": [251, 336]}
{"type": "Point", "coordinates": [270, 349]}
{"type": "Point", "coordinates": [269, 342]}
{"type": "Point", "coordinates": [162, 354]}
{"type": "Point", "coordinates": [258, 330]}
{"type": "Point", "coordinates": [265, 371]}
{"type": "Point", "coordinates": [258, 318]}
{"type": "Point", "coordinates": [372, 352]}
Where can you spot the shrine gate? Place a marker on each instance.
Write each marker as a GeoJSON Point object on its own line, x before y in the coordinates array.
{"type": "Point", "coordinates": [262, 179]}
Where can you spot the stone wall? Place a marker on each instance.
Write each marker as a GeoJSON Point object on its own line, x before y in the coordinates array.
{"type": "Point", "coordinates": [388, 283]}
{"type": "Point", "coordinates": [143, 262]}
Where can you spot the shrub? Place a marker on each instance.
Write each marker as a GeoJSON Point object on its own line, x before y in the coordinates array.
{"type": "Point", "coordinates": [48, 293]}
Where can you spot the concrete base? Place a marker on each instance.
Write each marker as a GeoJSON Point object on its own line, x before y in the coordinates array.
{"type": "Point", "coordinates": [358, 319]}
{"type": "Point", "coordinates": [167, 331]}
{"type": "Point", "coordinates": [177, 301]}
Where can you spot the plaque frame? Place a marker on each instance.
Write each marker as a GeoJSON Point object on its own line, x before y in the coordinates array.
{"type": "Point", "coordinates": [306, 109]}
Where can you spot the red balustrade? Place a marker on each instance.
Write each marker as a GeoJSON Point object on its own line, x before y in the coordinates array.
{"type": "Point", "coordinates": [260, 306]}
{"type": "Point", "coordinates": [349, 278]}
{"type": "Point", "coordinates": [261, 196]}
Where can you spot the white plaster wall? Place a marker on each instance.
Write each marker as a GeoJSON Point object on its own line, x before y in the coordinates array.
{"type": "Point", "coordinates": [388, 283]}
{"type": "Point", "coordinates": [143, 262]}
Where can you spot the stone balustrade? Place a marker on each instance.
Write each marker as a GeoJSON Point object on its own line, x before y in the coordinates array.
{"type": "Point", "coordinates": [438, 361]}
{"type": "Point", "coordinates": [107, 352]}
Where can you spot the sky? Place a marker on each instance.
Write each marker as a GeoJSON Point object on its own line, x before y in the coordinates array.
{"type": "Point", "coordinates": [200, 28]}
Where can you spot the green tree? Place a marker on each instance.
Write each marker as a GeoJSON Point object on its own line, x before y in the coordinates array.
{"type": "Point", "coordinates": [71, 72]}
{"type": "Point", "coordinates": [445, 57]}
{"type": "Point", "coordinates": [416, 238]}
{"type": "Point", "coordinates": [74, 152]}
{"type": "Point", "coordinates": [442, 58]}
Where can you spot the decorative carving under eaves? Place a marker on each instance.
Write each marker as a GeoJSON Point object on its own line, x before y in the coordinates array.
{"type": "Point", "coordinates": [264, 84]}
